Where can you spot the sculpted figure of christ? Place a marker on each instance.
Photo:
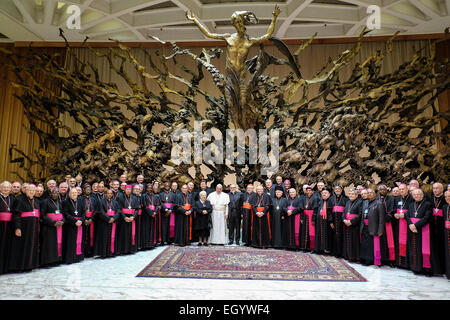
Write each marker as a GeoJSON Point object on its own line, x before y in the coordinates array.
{"type": "Point", "coordinates": [238, 46]}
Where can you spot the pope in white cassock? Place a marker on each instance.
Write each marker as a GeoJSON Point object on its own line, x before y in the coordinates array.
{"type": "Point", "coordinates": [219, 201]}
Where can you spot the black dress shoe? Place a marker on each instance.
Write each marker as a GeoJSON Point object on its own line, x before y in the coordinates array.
{"type": "Point", "coordinates": [230, 242]}
{"type": "Point", "coordinates": [205, 244]}
{"type": "Point", "coordinates": [199, 244]}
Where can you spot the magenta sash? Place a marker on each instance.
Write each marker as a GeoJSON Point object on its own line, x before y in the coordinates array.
{"type": "Point", "coordinates": [152, 207]}
{"type": "Point", "coordinates": [402, 234]}
{"type": "Point", "coordinates": [133, 225]}
{"type": "Point", "coordinates": [376, 247]}
{"type": "Point", "coordinates": [57, 217]}
{"type": "Point", "coordinates": [111, 213]}
{"type": "Point", "coordinates": [426, 251]}
{"type": "Point", "coordinates": [338, 209]}
{"type": "Point", "coordinates": [312, 230]}
{"type": "Point", "coordinates": [171, 221]}
{"type": "Point", "coordinates": [34, 214]}
{"type": "Point", "coordinates": [159, 223]}
{"type": "Point", "coordinates": [5, 216]}
{"type": "Point", "coordinates": [350, 216]}
{"type": "Point", "coordinates": [296, 226]}
{"type": "Point", "coordinates": [168, 205]}
{"type": "Point", "coordinates": [447, 224]}
{"type": "Point", "coordinates": [139, 212]}
{"type": "Point", "coordinates": [438, 212]}
{"type": "Point", "coordinates": [390, 241]}
{"type": "Point", "coordinates": [79, 237]}
{"type": "Point", "coordinates": [91, 227]}
{"type": "Point", "coordinates": [376, 250]}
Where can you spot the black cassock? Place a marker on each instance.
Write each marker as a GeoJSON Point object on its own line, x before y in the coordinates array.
{"type": "Point", "coordinates": [372, 223]}
{"type": "Point", "coordinates": [438, 233]}
{"type": "Point", "coordinates": [151, 222]}
{"type": "Point", "coordinates": [72, 235]}
{"type": "Point", "coordinates": [127, 231]}
{"type": "Point", "coordinates": [388, 243]}
{"type": "Point", "coordinates": [351, 235]}
{"type": "Point", "coordinates": [337, 233]}
{"type": "Point", "coordinates": [50, 235]}
{"type": "Point", "coordinates": [183, 222]}
{"type": "Point", "coordinates": [89, 230]}
{"type": "Point", "coordinates": [24, 254]}
{"type": "Point", "coordinates": [105, 242]}
{"type": "Point", "coordinates": [324, 232]}
{"type": "Point", "coordinates": [261, 225]}
{"type": "Point", "coordinates": [167, 199]}
{"type": "Point", "coordinates": [276, 221]}
{"type": "Point", "coordinates": [446, 210]}
{"type": "Point", "coordinates": [247, 201]}
{"type": "Point", "coordinates": [202, 222]}
{"type": "Point", "coordinates": [400, 229]}
{"type": "Point", "coordinates": [308, 230]}
{"type": "Point", "coordinates": [138, 222]}
{"type": "Point", "coordinates": [292, 224]}
{"type": "Point", "coordinates": [234, 217]}
{"type": "Point", "coordinates": [420, 244]}
{"type": "Point", "coordinates": [6, 230]}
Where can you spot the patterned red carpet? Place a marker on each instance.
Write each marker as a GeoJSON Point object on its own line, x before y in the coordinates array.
{"type": "Point", "coordinates": [247, 263]}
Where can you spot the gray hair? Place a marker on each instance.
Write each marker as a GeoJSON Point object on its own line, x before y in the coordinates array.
{"type": "Point", "coordinates": [5, 182]}
{"type": "Point", "coordinates": [202, 193]}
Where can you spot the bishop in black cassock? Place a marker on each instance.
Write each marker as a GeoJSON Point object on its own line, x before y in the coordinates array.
{"type": "Point", "coordinates": [51, 229]}
{"type": "Point", "coordinates": [24, 254]}
{"type": "Point", "coordinates": [6, 225]}
{"type": "Point", "coordinates": [183, 217]}
{"type": "Point", "coordinates": [261, 219]}
{"type": "Point", "coordinates": [74, 212]}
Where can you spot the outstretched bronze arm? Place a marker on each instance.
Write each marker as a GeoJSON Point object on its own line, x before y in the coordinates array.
{"type": "Point", "coordinates": [203, 29]}
{"type": "Point", "coordinates": [271, 29]}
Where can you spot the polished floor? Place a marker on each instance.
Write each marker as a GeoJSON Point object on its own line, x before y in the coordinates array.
{"type": "Point", "coordinates": [115, 278]}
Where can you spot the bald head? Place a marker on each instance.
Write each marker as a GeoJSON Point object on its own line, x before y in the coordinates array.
{"type": "Point", "coordinates": [438, 189]}
{"type": "Point", "coordinates": [15, 187]}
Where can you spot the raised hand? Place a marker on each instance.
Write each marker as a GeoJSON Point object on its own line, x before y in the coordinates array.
{"type": "Point", "coordinates": [190, 15]}
{"type": "Point", "coordinates": [276, 11]}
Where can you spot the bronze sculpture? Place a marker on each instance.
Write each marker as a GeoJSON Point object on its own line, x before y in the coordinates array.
{"type": "Point", "coordinates": [238, 45]}
{"type": "Point", "coordinates": [344, 126]}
